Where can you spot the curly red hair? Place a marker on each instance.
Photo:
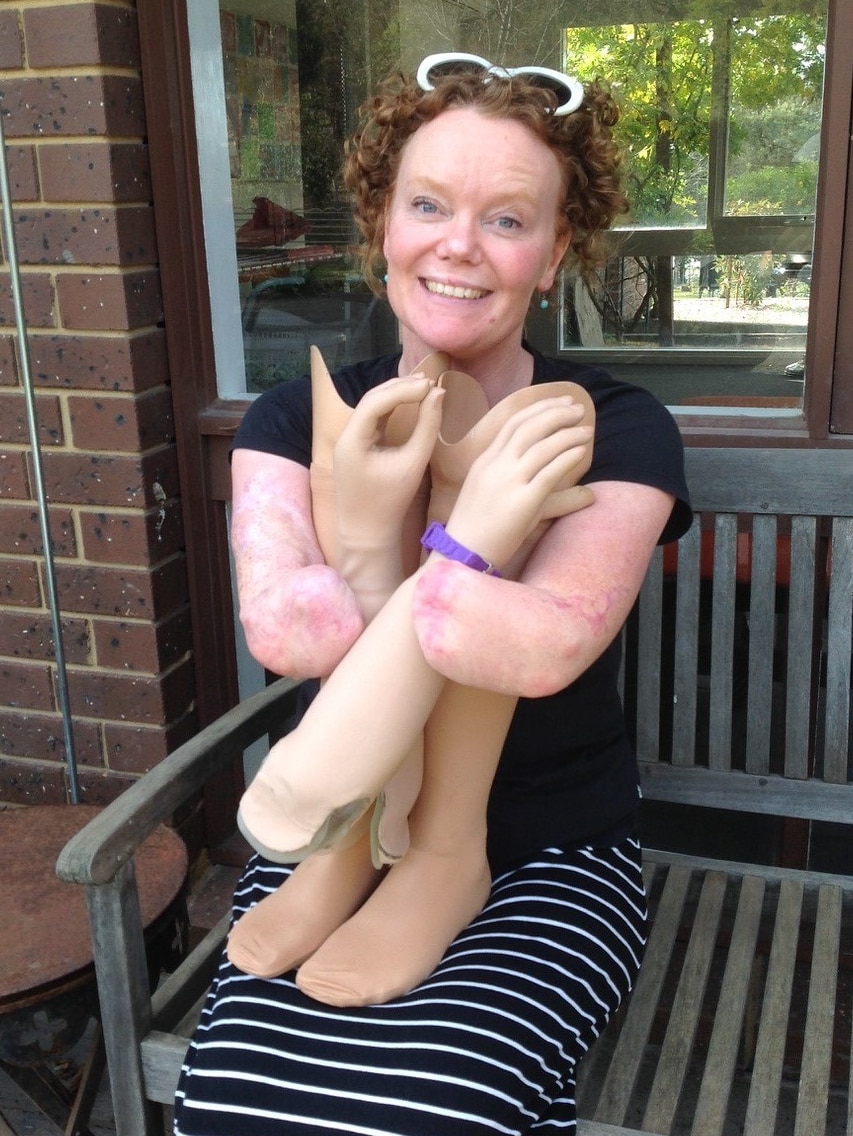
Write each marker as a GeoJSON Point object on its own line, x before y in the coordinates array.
{"type": "Point", "coordinates": [582, 143]}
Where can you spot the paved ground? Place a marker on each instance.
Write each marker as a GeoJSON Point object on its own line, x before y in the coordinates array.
{"type": "Point", "coordinates": [766, 339]}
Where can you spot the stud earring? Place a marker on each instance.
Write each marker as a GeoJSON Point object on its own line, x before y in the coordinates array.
{"type": "Point", "coordinates": [543, 302]}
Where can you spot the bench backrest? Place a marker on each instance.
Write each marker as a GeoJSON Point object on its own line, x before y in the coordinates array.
{"type": "Point", "coordinates": [738, 656]}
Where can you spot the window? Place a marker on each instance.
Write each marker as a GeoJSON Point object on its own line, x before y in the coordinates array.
{"type": "Point", "coordinates": [706, 298]}
{"type": "Point", "coordinates": [709, 291]}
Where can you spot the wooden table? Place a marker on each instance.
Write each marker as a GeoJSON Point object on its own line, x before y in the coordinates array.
{"type": "Point", "coordinates": [47, 979]}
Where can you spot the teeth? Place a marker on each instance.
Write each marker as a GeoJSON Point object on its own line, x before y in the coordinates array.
{"type": "Point", "coordinates": [456, 293]}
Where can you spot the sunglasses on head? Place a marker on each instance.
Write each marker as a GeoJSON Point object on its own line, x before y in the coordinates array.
{"type": "Point", "coordinates": [568, 90]}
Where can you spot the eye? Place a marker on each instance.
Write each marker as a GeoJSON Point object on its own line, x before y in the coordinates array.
{"type": "Point", "coordinates": [424, 205]}
{"type": "Point", "coordinates": [508, 222]}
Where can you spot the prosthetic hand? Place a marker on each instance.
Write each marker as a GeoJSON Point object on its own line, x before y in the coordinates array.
{"type": "Point", "coordinates": [534, 458]}
{"type": "Point", "coordinates": [380, 487]}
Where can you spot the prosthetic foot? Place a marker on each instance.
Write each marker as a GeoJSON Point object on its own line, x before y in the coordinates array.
{"type": "Point", "coordinates": [399, 935]}
{"type": "Point", "coordinates": [289, 924]}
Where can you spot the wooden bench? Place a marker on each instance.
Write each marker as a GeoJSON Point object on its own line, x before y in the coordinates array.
{"type": "Point", "coordinates": [738, 693]}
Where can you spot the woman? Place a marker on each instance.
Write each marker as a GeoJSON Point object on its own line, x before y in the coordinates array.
{"type": "Point", "coordinates": [472, 185]}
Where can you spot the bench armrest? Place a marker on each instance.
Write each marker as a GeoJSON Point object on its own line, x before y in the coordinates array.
{"type": "Point", "coordinates": [95, 855]}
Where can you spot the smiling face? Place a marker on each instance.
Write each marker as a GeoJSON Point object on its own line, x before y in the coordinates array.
{"type": "Point", "coordinates": [470, 234]}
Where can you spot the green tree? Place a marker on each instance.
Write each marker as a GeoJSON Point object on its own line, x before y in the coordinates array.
{"type": "Point", "coordinates": [758, 77]}
{"type": "Point", "coordinates": [661, 74]}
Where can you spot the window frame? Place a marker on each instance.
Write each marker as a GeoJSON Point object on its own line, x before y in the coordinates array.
{"type": "Point", "coordinates": [797, 233]}
{"type": "Point", "coordinates": [827, 412]}
{"type": "Point", "coordinates": [828, 396]}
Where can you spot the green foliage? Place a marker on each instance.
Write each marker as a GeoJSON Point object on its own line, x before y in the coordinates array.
{"type": "Point", "coordinates": [745, 280]}
{"type": "Point", "coordinates": [773, 190]}
{"type": "Point", "coordinates": [775, 55]}
{"type": "Point", "coordinates": [662, 76]}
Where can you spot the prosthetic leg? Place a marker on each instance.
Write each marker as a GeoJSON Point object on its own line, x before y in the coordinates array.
{"type": "Point", "coordinates": [397, 938]}
{"type": "Point", "coordinates": [328, 886]}
{"type": "Point", "coordinates": [343, 749]}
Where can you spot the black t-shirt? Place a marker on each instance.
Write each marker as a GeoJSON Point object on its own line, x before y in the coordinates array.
{"type": "Point", "coordinates": [567, 774]}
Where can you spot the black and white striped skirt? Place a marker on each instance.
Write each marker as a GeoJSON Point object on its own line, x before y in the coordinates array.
{"type": "Point", "coordinates": [489, 1043]}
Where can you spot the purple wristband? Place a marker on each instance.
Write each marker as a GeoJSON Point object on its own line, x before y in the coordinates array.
{"type": "Point", "coordinates": [438, 539]}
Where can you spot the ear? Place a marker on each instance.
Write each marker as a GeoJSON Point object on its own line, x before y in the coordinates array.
{"type": "Point", "coordinates": [561, 244]}
{"type": "Point", "coordinates": [383, 224]}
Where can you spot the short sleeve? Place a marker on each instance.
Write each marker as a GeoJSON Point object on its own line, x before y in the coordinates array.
{"type": "Point", "coordinates": [636, 437]}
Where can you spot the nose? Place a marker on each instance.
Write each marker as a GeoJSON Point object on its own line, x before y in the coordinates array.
{"type": "Point", "coordinates": [460, 239]}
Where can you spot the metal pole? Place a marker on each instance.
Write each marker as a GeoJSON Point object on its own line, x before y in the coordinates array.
{"type": "Point", "coordinates": [38, 475]}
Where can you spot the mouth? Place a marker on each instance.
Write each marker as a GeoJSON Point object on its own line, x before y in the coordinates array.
{"type": "Point", "coordinates": [454, 292]}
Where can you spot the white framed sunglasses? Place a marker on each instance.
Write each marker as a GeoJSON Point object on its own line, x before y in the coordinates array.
{"type": "Point", "coordinates": [568, 90]}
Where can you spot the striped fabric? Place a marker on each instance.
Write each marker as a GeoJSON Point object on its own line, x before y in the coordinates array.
{"type": "Point", "coordinates": [488, 1044]}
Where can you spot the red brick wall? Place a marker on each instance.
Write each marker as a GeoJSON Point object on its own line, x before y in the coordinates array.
{"type": "Point", "coordinates": [71, 98]}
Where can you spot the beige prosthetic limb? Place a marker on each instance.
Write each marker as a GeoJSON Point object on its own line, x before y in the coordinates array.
{"type": "Point", "coordinates": [397, 938]}
{"type": "Point", "coordinates": [373, 555]}
{"type": "Point", "coordinates": [319, 779]}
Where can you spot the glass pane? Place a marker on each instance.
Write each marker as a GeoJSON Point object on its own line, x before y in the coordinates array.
{"type": "Point", "coordinates": [660, 74]}
{"type": "Point", "coordinates": [706, 295]}
{"type": "Point", "coordinates": [733, 327]}
{"type": "Point", "coordinates": [706, 298]}
{"type": "Point", "coordinates": [774, 123]}
{"type": "Point", "coordinates": [288, 95]}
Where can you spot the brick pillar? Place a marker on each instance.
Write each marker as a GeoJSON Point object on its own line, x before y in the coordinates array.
{"type": "Point", "coordinates": [71, 97]}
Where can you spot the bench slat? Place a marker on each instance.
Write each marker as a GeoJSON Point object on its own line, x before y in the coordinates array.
{"type": "Point", "coordinates": [722, 641]}
{"type": "Point", "coordinates": [648, 659]}
{"type": "Point", "coordinates": [770, 1051]}
{"type": "Point", "coordinates": [624, 1066]}
{"type": "Point", "coordinates": [801, 608]}
{"type": "Point", "coordinates": [817, 1044]}
{"type": "Point", "coordinates": [686, 647]}
{"type": "Point", "coordinates": [163, 1054]}
{"type": "Point", "coordinates": [838, 676]}
{"type": "Point", "coordinates": [718, 1075]}
{"type": "Point", "coordinates": [675, 1052]}
{"type": "Point", "coordinates": [850, 1088]}
{"type": "Point", "coordinates": [777, 796]}
{"type": "Point", "coordinates": [762, 636]}
{"type": "Point", "coordinates": [780, 480]}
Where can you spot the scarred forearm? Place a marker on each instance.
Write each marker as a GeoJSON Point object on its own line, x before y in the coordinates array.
{"type": "Point", "coordinates": [534, 637]}
{"type": "Point", "coordinates": [299, 616]}
{"type": "Point", "coordinates": [301, 624]}
{"type": "Point", "coordinates": [520, 652]}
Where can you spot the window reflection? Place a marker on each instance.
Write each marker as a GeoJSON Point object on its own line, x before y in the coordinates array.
{"type": "Point", "coordinates": [776, 69]}
{"type": "Point", "coordinates": [293, 230]}
{"type": "Point", "coordinates": [706, 296]}
{"type": "Point", "coordinates": [721, 126]}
